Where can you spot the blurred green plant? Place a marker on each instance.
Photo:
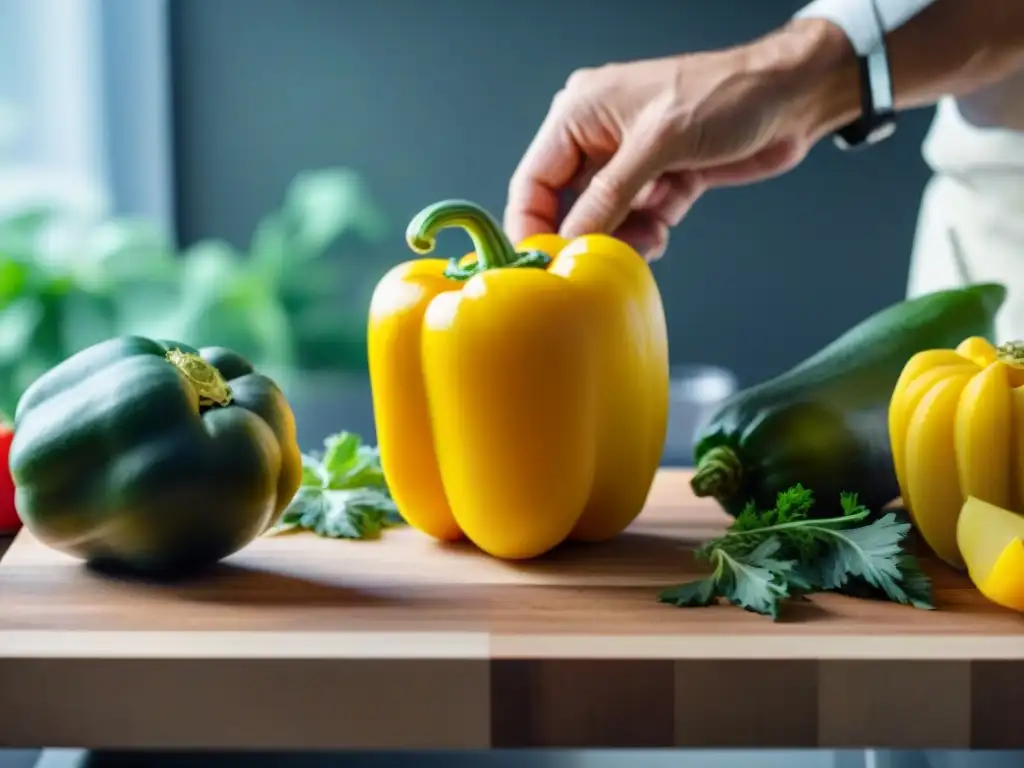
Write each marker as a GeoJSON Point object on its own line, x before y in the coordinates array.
{"type": "Point", "coordinates": [293, 300]}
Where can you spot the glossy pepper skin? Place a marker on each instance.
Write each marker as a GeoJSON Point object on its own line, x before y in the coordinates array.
{"type": "Point", "coordinates": [152, 456]}
{"type": "Point", "coordinates": [956, 425]}
{"type": "Point", "coordinates": [520, 395]}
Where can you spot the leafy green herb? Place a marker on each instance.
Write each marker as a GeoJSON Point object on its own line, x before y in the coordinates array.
{"type": "Point", "coordinates": [769, 556]}
{"type": "Point", "coordinates": [343, 494]}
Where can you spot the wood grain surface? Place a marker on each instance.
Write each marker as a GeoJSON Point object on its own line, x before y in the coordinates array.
{"type": "Point", "coordinates": [301, 642]}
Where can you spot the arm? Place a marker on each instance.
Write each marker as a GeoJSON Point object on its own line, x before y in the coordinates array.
{"type": "Point", "coordinates": [936, 48]}
{"type": "Point", "coordinates": [662, 131]}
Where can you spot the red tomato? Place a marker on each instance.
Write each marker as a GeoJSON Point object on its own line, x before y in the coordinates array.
{"type": "Point", "coordinates": [9, 520]}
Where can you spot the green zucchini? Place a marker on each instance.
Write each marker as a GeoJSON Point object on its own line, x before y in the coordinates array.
{"type": "Point", "coordinates": [824, 422]}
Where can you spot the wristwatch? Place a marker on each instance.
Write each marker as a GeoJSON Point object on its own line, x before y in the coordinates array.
{"type": "Point", "coordinates": [877, 120]}
{"type": "Point", "coordinates": [865, 23]}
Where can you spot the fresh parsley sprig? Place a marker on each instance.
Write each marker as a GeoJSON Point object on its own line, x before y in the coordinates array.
{"type": "Point", "coordinates": [343, 494]}
{"type": "Point", "coordinates": [769, 556]}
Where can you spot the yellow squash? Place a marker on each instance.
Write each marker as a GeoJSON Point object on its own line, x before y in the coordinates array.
{"type": "Point", "coordinates": [956, 425]}
{"type": "Point", "coordinates": [520, 395]}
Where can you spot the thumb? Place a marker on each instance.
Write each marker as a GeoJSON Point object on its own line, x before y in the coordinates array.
{"type": "Point", "coordinates": [605, 202]}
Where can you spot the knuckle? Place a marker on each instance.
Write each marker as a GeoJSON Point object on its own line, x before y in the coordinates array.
{"type": "Point", "coordinates": [561, 101]}
{"type": "Point", "coordinates": [580, 80]}
{"type": "Point", "coordinates": [564, 106]}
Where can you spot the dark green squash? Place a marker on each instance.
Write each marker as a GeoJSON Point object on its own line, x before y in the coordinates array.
{"type": "Point", "coordinates": [824, 423]}
{"type": "Point", "coordinates": [134, 454]}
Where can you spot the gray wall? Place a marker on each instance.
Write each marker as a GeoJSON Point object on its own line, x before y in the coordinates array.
{"type": "Point", "coordinates": [438, 99]}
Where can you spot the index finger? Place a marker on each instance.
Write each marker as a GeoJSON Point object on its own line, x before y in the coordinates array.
{"type": "Point", "coordinates": [547, 167]}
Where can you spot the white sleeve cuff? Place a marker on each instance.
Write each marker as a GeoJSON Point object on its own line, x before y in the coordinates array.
{"type": "Point", "coordinates": [858, 19]}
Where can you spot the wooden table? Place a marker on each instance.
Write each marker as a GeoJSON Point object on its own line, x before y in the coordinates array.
{"type": "Point", "coordinates": [301, 642]}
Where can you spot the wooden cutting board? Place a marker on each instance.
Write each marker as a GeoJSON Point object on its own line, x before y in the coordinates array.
{"type": "Point", "coordinates": [406, 643]}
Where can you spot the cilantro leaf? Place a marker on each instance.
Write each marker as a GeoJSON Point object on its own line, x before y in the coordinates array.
{"type": "Point", "coordinates": [790, 505]}
{"type": "Point", "coordinates": [769, 556]}
{"type": "Point", "coordinates": [868, 552]}
{"type": "Point", "coordinates": [699, 593]}
{"type": "Point", "coordinates": [914, 584]}
{"type": "Point", "coordinates": [312, 474]}
{"type": "Point", "coordinates": [348, 463]}
{"type": "Point", "coordinates": [348, 514]}
{"type": "Point", "coordinates": [756, 581]}
{"type": "Point", "coordinates": [343, 493]}
{"type": "Point", "coordinates": [340, 452]}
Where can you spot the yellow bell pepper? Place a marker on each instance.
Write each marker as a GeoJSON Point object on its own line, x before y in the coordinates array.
{"type": "Point", "coordinates": [956, 426]}
{"type": "Point", "coordinates": [991, 540]}
{"type": "Point", "coordinates": [520, 395]}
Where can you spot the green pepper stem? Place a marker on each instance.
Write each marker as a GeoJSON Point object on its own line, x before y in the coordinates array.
{"type": "Point", "coordinates": [493, 249]}
{"type": "Point", "coordinates": [1011, 352]}
{"type": "Point", "coordinates": [718, 474]}
{"type": "Point", "coordinates": [206, 381]}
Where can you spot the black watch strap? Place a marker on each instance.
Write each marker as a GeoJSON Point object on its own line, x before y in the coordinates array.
{"type": "Point", "coordinates": [877, 120]}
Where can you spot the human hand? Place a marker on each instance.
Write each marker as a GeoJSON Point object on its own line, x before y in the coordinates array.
{"type": "Point", "coordinates": [641, 141]}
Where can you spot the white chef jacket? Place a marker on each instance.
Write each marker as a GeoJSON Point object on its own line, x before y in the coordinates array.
{"type": "Point", "coordinates": [971, 222]}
